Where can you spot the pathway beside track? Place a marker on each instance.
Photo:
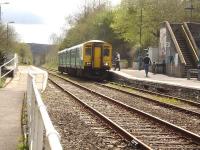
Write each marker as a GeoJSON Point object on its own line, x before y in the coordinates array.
{"type": "Point", "coordinates": [11, 98]}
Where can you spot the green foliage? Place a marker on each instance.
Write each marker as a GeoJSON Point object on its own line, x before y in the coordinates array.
{"type": "Point", "coordinates": [9, 44]}
{"type": "Point", "coordinates": [2, 82]}
{"type": "Point", "coordinates": [7, 41]}
{"type": "Point", "coordinates": [95, 23]}
{"type": "Point", "coordinates": [121, 26]}
{"type": "Point", "coordinates": [22, 144]}
{"type": "Point", "coordinates": [24, 53]}
{"type": "Point", "coordinates": [147, 15]}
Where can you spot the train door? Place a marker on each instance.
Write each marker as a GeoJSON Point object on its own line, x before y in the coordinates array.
{"type": "Point", "coordinates": [97, 57]}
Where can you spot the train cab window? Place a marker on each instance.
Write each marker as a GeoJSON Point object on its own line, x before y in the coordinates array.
{"type": "Point", "coordinates": [106, 52]}
{"type": "Point", "coordinates": [88, 51]}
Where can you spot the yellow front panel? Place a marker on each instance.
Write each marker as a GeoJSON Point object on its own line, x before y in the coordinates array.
{"type": "Point", "coordinates": [108, 58]}
{"type": "Point", "coordinates": [97, 57]}
{"type": "Point", "coordinates": [86, 57]}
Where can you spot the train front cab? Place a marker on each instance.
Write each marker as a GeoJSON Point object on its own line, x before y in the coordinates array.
{"type": "Point", "coordinates": [97, 57]}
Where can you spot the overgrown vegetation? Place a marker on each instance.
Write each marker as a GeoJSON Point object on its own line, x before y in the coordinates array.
{"type": "Point", "coordinates": [10, 44]}
{"type": "Point", "coordinates": [131, 26]}
{"type": "Point", "coordinates": [2, 82]}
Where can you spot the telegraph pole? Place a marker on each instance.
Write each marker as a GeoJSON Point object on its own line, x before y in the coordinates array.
{"type": "Point", "coordinates": [140, 47]}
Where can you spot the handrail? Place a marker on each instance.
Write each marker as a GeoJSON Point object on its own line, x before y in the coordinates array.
{"type": "Point", "coordinates": [190, 36]}
{"type": "Point", "coordinates": [7, 62]}
{"type": "Point", "coordinates": [15, 60]}
{"type": "Point", "coordinates": [175, 42]}
{"type": "Point", "coordinates": [191, 46]}
{"type": "Point", "coordinates": [38, 119]}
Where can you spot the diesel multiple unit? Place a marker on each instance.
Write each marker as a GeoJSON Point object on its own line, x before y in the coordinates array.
{"type": "Point", "coordinates": [90, 58]}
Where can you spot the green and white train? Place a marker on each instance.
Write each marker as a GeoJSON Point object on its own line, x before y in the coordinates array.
{"type": "Point", "coordinates": [90, 58]}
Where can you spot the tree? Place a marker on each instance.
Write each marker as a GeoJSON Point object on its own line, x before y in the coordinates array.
{"type": "Point", "coordinates": [24, 53]}
{"type": "Point", "coordinates": [8, 42]}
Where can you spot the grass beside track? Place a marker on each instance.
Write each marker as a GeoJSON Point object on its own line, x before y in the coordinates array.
{"type": "Point", "coordinates": [159, 98]}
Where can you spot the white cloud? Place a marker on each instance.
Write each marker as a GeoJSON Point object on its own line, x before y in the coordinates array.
{"type": "Point", "coordinates": [36, 20]}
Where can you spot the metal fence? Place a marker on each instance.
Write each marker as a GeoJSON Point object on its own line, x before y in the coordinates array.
{"type": "Point", "coordinates": [8, 67]}
{"type": "Point", "coordinates": [41, 133]}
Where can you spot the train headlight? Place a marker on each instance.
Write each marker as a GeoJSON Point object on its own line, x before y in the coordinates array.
{"type": "Point", "coordinates": [105, 64]}
{"type": "Point", "coordinates": [88, 63]}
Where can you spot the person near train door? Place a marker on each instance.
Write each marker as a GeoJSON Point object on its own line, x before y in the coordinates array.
{"type": "Point", "coordinates": [147, 62]}
{"type": "Point", "coordinates": [117, 61]}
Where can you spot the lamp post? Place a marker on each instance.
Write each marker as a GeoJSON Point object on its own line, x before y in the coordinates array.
{"type": "Point", "coordinates": [0, 8]}
{"type": "Point", "coordinates": [7, 32]}
{"type": "Point", "coordinates": [140, 48]}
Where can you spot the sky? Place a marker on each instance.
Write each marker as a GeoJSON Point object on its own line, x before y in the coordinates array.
{"type": "Point", "coordinates": [36, 20]}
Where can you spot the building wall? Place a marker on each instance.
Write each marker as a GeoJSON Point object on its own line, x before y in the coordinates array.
{"type": "Point", "coordinates": [168, 54]}
{"type": "Point", "coordinates": [153, 54]}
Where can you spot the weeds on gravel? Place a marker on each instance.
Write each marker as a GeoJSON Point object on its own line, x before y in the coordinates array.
{"type": "Point", "coordinates": [21, 145]}
{"type": "Point", "coordinates": [169, 100]}
{"type": "Point", "coordinates": [159, 98]}
{"type": "Point", "coordinates": [2, 82]}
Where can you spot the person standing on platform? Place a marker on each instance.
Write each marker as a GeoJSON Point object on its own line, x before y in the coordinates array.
{"type": "Point", "coordinates": [117, 61]}
{"type": "Point", "coordinates": [147, 62]}
{"type": "Point", "coordinates": [154, 68]}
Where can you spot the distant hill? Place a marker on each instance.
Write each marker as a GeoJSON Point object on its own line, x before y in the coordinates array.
{"type": "Point", "coordinates": [39, 52]}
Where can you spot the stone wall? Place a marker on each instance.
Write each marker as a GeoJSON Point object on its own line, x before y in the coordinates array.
{"type": "Point", "coordinates": [172, 90]}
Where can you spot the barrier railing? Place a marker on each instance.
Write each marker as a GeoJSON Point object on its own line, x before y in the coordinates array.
{"type": "Point", "coordinates": [39, 122]}
{"type": "Point", "coordinates": [175, 43]}
{"type": "Point", "coordinates": [190, 44]}
{"type": "Point", "coordinates": [10, 66]}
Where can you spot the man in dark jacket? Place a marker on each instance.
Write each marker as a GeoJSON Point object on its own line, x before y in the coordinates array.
{"type": "Point", "coordinates": [147, 62]}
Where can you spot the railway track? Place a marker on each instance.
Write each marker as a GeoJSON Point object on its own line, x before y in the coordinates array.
{"type": "Point", "coordinates": [120, 86]}
{"type": "Point", "coordinates": [78, 126]}
{"type": "Point", "coordinates": [155, 133]}
{"type": "Point", "coordinates": [181, 113]}
{"type": "Point", "coordinates": [133, 90]}
{"type": "Point", "coordinates": [179, 104]}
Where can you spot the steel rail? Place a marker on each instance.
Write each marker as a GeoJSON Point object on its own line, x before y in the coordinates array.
{"type": "Point", "coordinates": [159, 102]}
{"type": "Point", "coordinates": [128, 136]}
{"type": "Point", "coordinates": [159, 94]}
{"type": "Point", "coordinates": [188, 134]}
{"type": "Point", "coordinates": [151, 92]}
{"type": "Point", "coordinates": [153, 100]}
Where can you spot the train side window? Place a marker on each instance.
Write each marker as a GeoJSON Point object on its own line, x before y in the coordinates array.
{"type": "Point", "coordinates": [88, 51]}
{"type": "Point", "coordinates": [106, 52]}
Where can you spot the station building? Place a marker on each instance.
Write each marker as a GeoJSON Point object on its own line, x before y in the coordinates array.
{"type": "Point", "coordinates": [179, 48]}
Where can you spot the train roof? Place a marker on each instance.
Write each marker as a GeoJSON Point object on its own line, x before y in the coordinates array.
{"type": "Point", "coordinates": [80, 45]}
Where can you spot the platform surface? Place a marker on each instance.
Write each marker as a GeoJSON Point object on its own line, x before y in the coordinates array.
{"type": "Point", "coordinates": [11, 99]}
{"type": "Point", "coordinates": [159, 78]}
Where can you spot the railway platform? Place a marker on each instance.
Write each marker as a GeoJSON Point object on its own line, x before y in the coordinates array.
{"type": "Point", "coordinates": [180, 87]}
{"type": "Point", "coordinates": [11, 100]}
{"type": "Point", "coordinates": [159, 78]}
